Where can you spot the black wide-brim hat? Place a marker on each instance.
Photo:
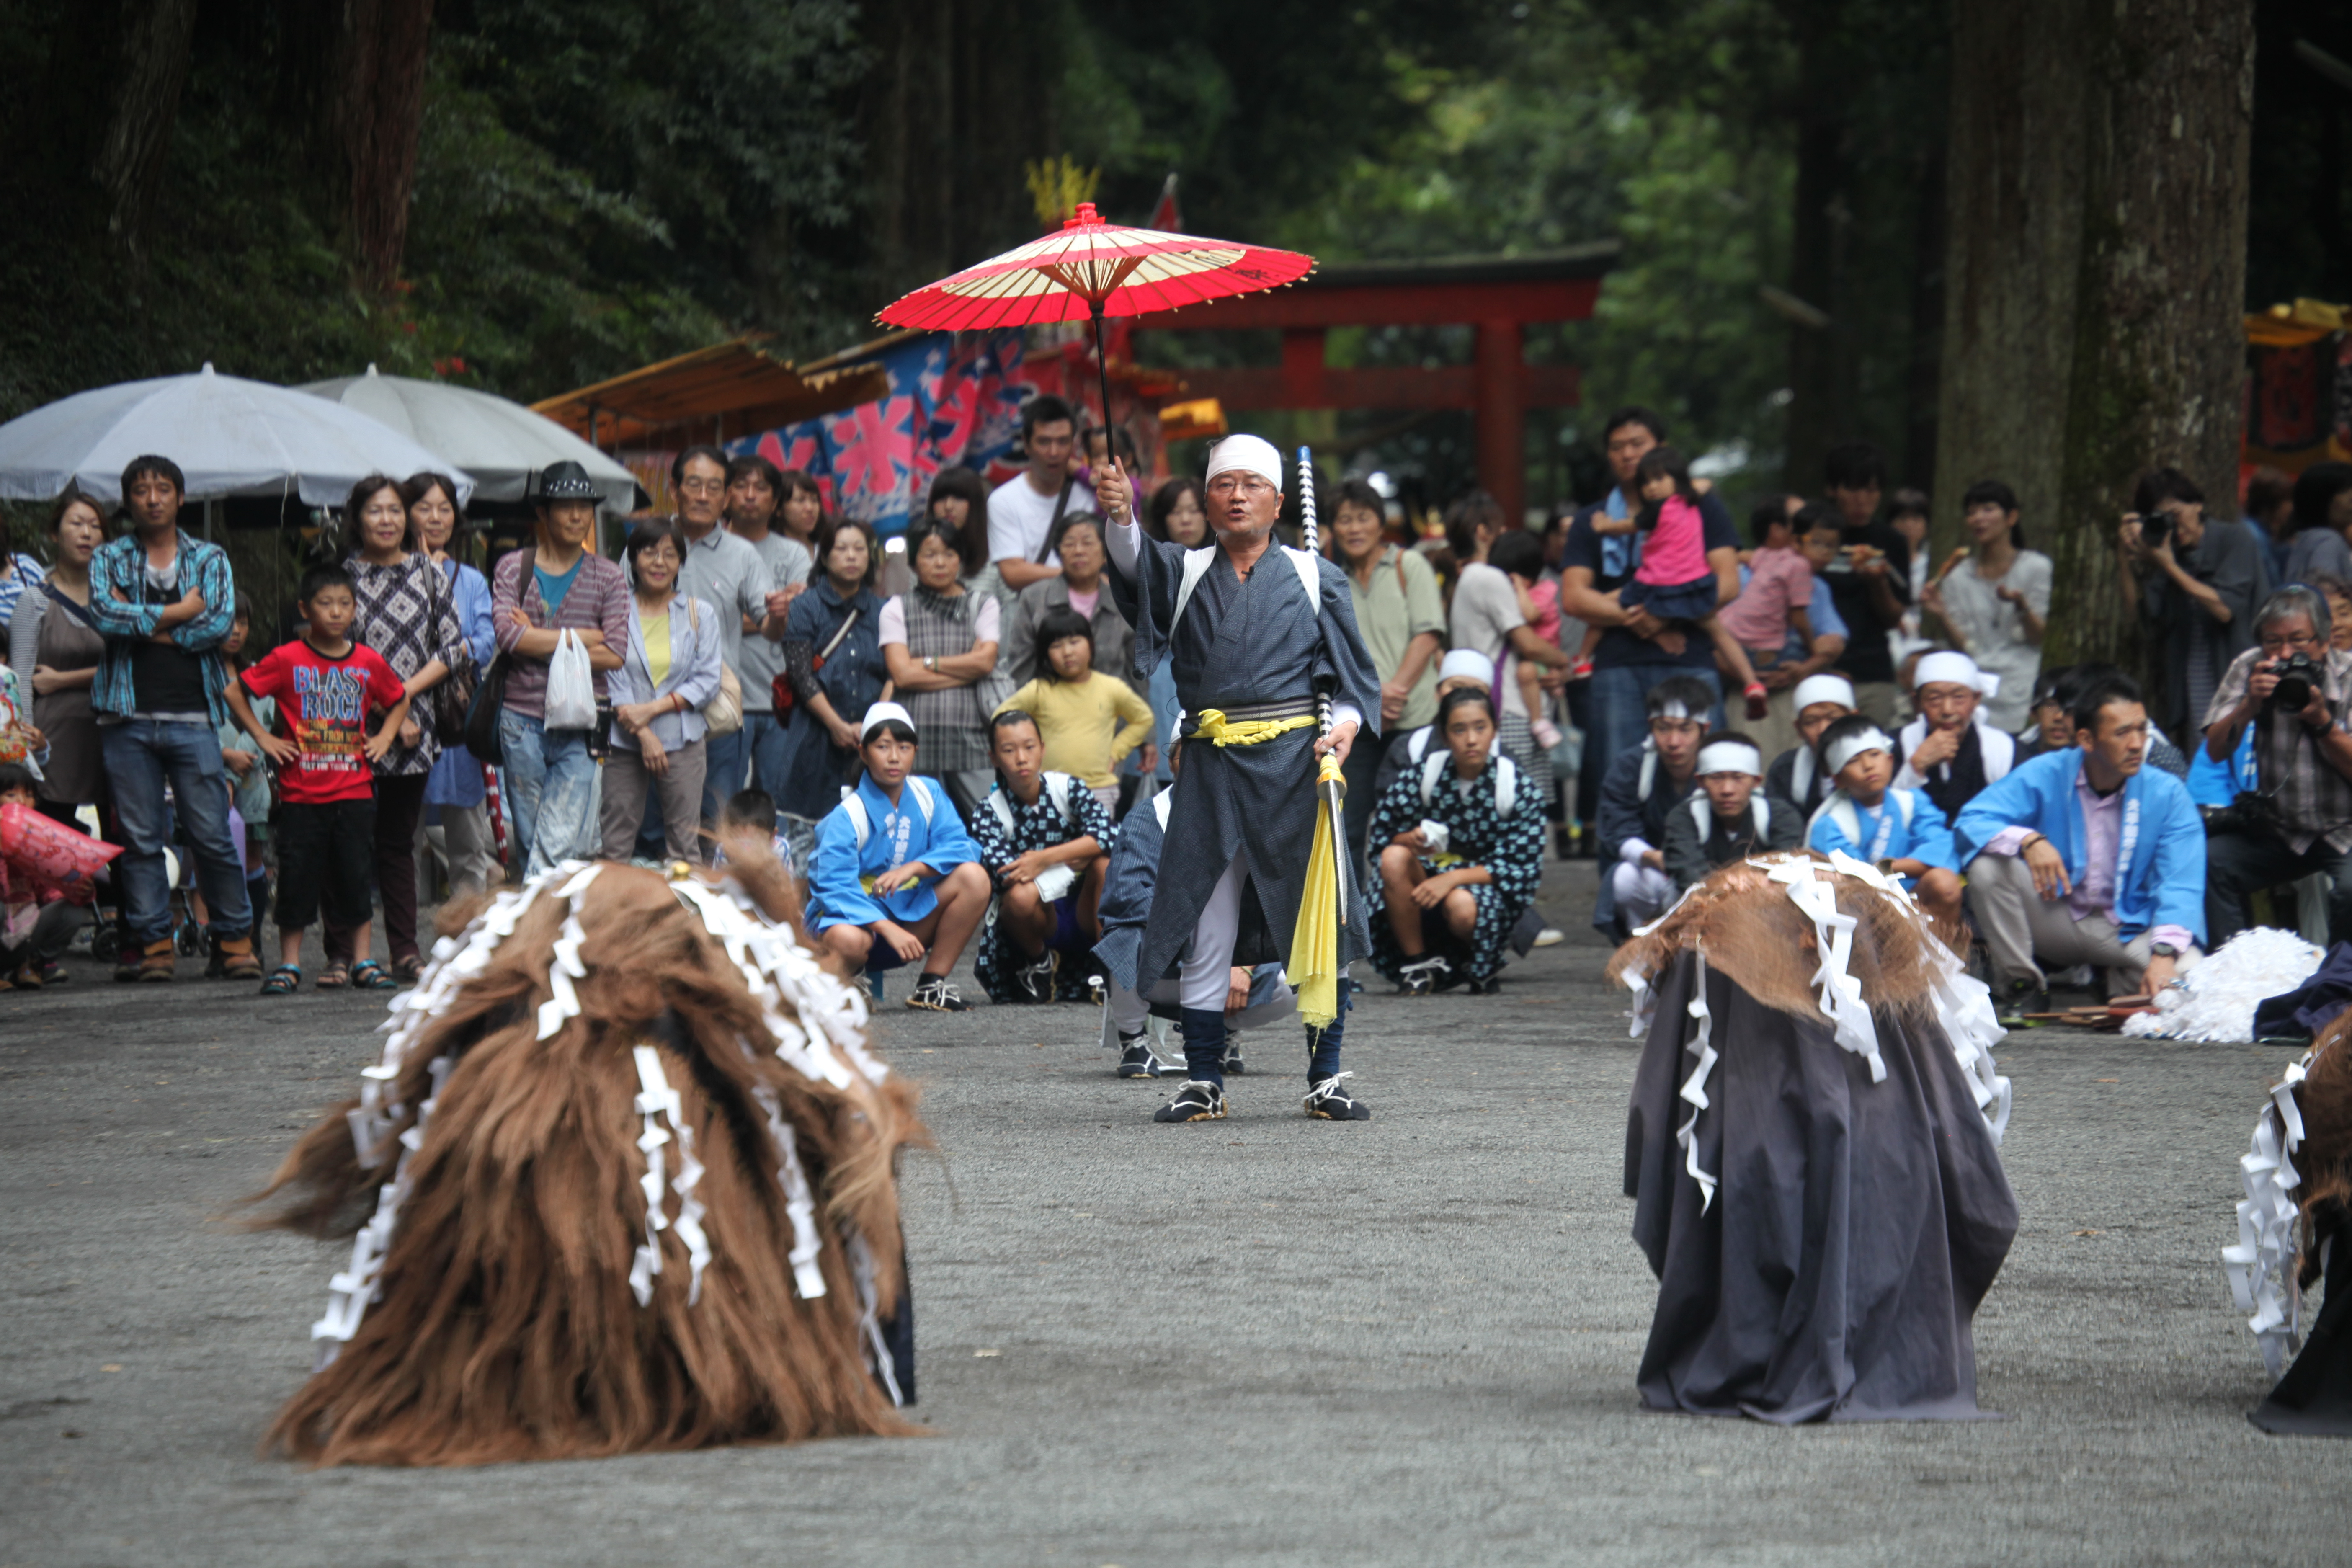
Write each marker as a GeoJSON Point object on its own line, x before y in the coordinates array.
{"type": "Point", "coordinates": [566, 480]}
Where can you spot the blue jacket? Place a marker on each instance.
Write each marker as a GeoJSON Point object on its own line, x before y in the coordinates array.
{"type": "Point", "coordinates": [2163, 839]}
{"type": "Point", "coordinates": [841, 870]}
{"type": "Point", "coordinates": [1924, 837]}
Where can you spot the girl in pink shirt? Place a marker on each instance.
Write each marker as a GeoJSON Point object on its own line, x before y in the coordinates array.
{"type": "Point", "coordinates": [1674, 581]}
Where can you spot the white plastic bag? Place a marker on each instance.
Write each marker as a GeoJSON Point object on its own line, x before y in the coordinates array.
{"type": "Point", "coordinates": [570, 688]}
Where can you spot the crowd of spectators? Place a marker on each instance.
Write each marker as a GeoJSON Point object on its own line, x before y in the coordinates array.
{"type": "Point", "coordinates": [956, 761]}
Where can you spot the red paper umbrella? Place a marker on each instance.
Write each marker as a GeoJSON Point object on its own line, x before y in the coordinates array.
{"type": "Point", "coordinates": [1089, 267]}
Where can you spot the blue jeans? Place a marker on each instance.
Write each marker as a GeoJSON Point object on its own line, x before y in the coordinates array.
{"type": "Point", "coordinates": [1620, 709]}
{"type": "Point", "coordinates": [767, 751]}
{"type": "Point", "coordinates": [141, 756]}
{"type": "Point", "coordinates": [550, 790]}
{"type": "Point", "coordinates": [722, 760]}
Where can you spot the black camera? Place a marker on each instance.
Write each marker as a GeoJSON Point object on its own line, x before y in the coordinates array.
{"type": "Point", "coordinates": [2155, 527]}
{"type": "Point", "coordinates": [2298, 675]}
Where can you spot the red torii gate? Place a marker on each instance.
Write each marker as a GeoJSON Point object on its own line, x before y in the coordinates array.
{"type": "Point", "coordinates": [1497, 296]}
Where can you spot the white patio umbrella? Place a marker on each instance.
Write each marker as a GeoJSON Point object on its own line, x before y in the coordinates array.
{"type": "Point", "coordinates": [230, 436]}
{"type": "Point", "coordinates": [501, 444]}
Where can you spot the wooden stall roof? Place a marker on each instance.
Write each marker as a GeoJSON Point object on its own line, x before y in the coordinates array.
{"type": "Point", "coordinates": [727, 390]}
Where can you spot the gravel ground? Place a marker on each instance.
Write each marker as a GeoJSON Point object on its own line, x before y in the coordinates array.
{"type": "Point", "coordinates": [1263, 1341]}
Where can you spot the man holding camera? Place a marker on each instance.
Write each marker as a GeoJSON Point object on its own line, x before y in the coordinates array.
{"type": "Point", "coordinates": [2297, 693]}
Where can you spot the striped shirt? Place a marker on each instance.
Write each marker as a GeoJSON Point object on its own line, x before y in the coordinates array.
{"type": "Point", "coordinates": [598, 600]}
{"type": "Point", "coordinates": [118, 584]}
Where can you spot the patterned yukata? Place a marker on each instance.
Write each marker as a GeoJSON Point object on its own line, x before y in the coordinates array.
{"type": "Point", "coordinates": [408, 614]}
{"type": "Point", "coordinates": [1509, 847]}
{"type": "Point", "coordinates": [1039, 824]}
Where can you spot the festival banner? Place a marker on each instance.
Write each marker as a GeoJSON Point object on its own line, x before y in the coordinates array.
{"type": "Point", "coordinates": [954, 398]}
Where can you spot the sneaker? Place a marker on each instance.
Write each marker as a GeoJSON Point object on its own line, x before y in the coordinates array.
{"type": "Point", "coordinates": [1035, 979]}
{"type": "Point", "coordinates": [1331, 1102]}
{"type": "Point", "coordinates": [1550, 936]}
{"type": "Point", "coordinates": [1233, 1064]}
{"type": "Point", "coordinates": [1490, 987]}
{"type": "Point", "coordinates": [2018, 998]}
{"type": "Point", "coordinates": [934, 993]}
{"type": "Point", "coordinates": [1422, 975]}
{"type": "Point", "coordinates": [1135, 1057]}
{"type": "Point", "coordinates": [1196, 1101]}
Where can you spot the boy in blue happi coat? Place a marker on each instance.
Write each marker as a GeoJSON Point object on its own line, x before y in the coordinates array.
{"type": "Point", "coordinates": [895, 879]}
{"type": "Point", "coordinates": [2085, 855]}
{"type": "Point", "coordinates": [1899, 831]}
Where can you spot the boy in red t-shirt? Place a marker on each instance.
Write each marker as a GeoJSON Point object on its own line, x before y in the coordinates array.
{"type": "Point", "coordinates": [324, 684]}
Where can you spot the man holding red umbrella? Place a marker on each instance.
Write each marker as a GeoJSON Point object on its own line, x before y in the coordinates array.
{"type": "Point", "coordinates": [1255, 632]}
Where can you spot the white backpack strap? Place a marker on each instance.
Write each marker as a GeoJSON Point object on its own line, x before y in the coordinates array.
{"type": "Point", "coordinates": [1840, 811]}
{"type": "Point", "coordinates": [1431, 769]}
{"type": "Point", "coordinates": [1161, 803]}
{"type": "Point", "coordinates": [1057, 786]}
{"type": "Point", "coordinates": [1649, 770]}
{"type": "Point", "coordinates": [1003, 807]}
{"type": "Point", "coordinates": [1907, 802]}
{"type": "Point", "coordinates": [1310, 577]}
{"type": "Point", "coordinates": [922, 793]}
{"type": "Point", "coordinates": [1416, 746]}
{"type": "Point", "coordinates": [1999, 751]}
{"type": "Point", "coordinates": [1196, 566]}
{"type": "Point", "coordinates": [1700, 810]}
{"type": "Point", "coordinates": [1506, 785]}
{"type": "Point", "coordinates": [1761, 809]}
{"type": "Point", "coordinates": [859, 820]}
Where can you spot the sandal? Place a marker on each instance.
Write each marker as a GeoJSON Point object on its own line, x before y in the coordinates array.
{"type": "Point", "coordinates": [284, 981]}
{"type": "Point", "coordinates": [407, 968]}
{"type": "Point", "coordinates": [367, 974]}
{"type": "Point", "coordinates": [335, 977]}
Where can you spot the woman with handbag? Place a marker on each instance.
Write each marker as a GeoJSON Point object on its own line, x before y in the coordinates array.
{"type": "Point", "coordinates": [407, 614]}
{"type": "Point", "coordinates": [670, 672]}
{"type": "Point", "coordinates": [939, 642]}
{"type": "Point", "coordinates": [833, 671]}
{"type": "Point", "coordinates": [455, 789]}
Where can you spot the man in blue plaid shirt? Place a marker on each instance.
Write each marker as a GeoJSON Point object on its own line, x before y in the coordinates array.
{"type": "Point", "coordinates": [165, 603]}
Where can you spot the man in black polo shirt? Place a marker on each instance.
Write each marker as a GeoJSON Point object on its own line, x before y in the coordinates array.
{"type": "Point", "coordinates": [1870, 582]}
{"type": "Point", "coordinates": [1636, 649]}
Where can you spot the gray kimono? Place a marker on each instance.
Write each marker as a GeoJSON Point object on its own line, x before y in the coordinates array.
{"type": "Point", "coordinates": [1242, 645]}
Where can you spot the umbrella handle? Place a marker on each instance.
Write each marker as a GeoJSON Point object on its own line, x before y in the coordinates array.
{"type": "Point", "coordinates": [1102, 373]}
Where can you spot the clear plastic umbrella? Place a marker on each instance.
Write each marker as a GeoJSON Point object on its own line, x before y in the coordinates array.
{"type": "Point", "coordinates": [501, 444]}
{"type": "Point", "coordinates": [229, 437]}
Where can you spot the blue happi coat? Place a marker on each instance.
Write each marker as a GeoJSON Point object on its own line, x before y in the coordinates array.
{"type": "Point", "coordinates": [1844, 823]}
{"type": "Point", "coordinates": [2160, 848]}
{"type": "Point", "coordinates": [841, 873]}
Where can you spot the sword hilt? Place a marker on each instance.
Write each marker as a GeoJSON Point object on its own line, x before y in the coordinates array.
{"type": "Point", "coordinates": [1311, 539]}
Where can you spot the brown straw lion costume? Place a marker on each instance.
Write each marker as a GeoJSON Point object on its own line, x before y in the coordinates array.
{"type": "Point", "coordinates": [624, 1182]}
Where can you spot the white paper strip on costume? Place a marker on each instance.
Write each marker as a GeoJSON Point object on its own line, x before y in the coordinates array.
{"type": "Point", "coordinates": [654, 1096]}
{"type": "Point", "coordinates": [2261, 1266]}
{"type": "Point", "coordinates": [1694, 1091]}
{"type": "Point", "coordinates": [349, 1292]}
{"type": "Point", "coordinates": [800, 1203]}
{"type": "Point", "coordinates": [1842, 999]}
{"type": "Point", "coordinates": [564, 1001]}
{"type": "Point", "coordinates": [878, 1349]}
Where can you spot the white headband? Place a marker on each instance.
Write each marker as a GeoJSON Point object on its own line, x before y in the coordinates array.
{"type": "Point", "coordinates": [1466, 664]}
{"type": "Point", "coordinates": [882, 713]}
{"type": "Point", "coordinates": [1730, 757]}
{"type": "Point", "coordinates": [1853, 747]}
{"type": "Point", "coordinates": [1949, 669]}
{"type": "Point", "coordinates": [1673, 709]}
{"type": "Point", "coordinates": [1823, 688]}
{"type": "Point", "coordinates": [1249, 454]}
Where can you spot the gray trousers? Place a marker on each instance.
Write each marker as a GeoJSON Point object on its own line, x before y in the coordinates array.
{"type": "Point", "coordinates": [2027, 933]}
{"type": "Point", "coordinates": [628, 782]}
{"type": "Point", "coordinates": [458, 850]}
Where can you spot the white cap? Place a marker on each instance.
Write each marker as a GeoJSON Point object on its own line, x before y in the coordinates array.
{"type": "Point", "coordinates": [1466, 664]}
{"type": "Point", "coordinates": [1250, 454]}
{"type": "Point", "coordinates": [882, 713]}
{"type": "Point", "coordinates": [1823, 688]}
{"type": "Point", "coordinates": [1947, 667]}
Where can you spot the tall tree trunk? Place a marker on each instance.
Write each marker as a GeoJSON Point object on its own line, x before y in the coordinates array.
{"type": "Point", "coordinates": [136, 52]}
{"type": "Point", "coordinates": [2097, 275]}
{"type": "Point", "coordinates": [1925, 368]}
{"type": "Point", "coordinates": [351, 85]}
{"type": "Point", "coordinates": [1816, 246]}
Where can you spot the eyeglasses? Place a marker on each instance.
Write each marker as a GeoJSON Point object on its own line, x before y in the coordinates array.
{"type": "Point", "coordinates": [704, 487]}
{"type": "Point", "coordinates": [1226, 485]}
{"type": "Point", "coordinates": [2293, 639]}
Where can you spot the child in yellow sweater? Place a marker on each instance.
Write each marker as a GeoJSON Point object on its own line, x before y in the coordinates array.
{"type": "Point", "coordinates": [1089, 722]}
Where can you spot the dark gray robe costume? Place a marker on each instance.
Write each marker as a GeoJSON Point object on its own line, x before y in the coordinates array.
{"type": "Point", "coordinates": [1242, 645]}
{"type": "Point", "coordinates": [1855, 1228]}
